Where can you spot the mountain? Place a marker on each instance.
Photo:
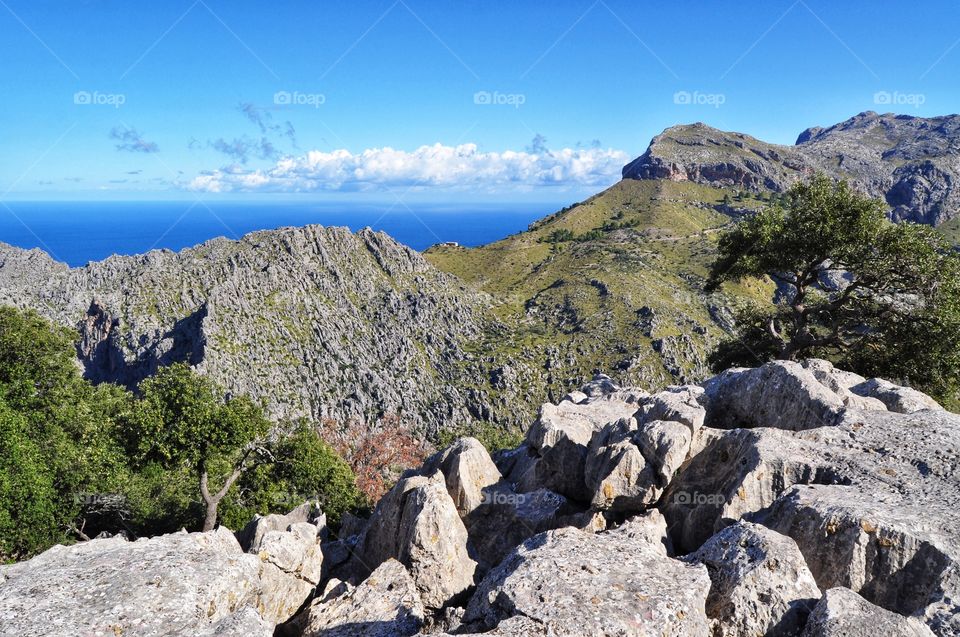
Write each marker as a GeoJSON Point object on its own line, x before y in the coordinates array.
{"type": "Point", "coordinates": [913, 163]}
{"type": "Point", "coordinates": [318, 322]}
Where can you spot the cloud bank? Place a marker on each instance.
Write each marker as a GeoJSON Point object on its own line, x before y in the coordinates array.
{"type": "Point", "coordinates": [438, 166]}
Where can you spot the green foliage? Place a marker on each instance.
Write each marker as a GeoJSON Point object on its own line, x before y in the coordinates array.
{"type": "Point", "coordinates": [559, 236]}
{"type": "Point", "coordinates": [76, 459]}
{"type": "Point", "coordinates": [304, 468]}
{"type": "Point", "coordinates": [57, 435]}
{"type": "Point", "coordinates": [28, 500]}
{"type": "Point", "coordinates": [893, 311]}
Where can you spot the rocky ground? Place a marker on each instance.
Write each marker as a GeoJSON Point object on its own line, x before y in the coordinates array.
{"type": "Point", "coordinates": [789, 499]}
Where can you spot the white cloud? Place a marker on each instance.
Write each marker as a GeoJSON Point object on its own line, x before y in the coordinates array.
{"type": "Point", "coordinates": [438, 166]}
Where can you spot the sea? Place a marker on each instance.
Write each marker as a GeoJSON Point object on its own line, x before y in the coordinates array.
{"type": "Point", "coordinates": [80, 232]}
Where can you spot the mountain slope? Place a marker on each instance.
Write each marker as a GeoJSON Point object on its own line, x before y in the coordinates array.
{"type": "Point", "coordinates": [911, 162]}
{"type": "Point", "coordinates": [614, 284]}
{"type": "Point", "coordinates": [319, 322]}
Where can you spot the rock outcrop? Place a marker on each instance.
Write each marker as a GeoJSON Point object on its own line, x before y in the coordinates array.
{"type": "Point", "coordinates": [911, 162]}
{"type": "Point", "coordinates": [723, 521]}
{"type": "Point", "coordinates": [843, 613]}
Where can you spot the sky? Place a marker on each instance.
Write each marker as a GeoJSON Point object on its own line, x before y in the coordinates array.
{"type": "Point", "coordinates": [446, 100]}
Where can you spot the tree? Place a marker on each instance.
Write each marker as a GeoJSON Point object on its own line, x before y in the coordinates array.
{"type": "Point", "coordinates": [181, 420]}
{"type": "Point", "coordinates": [304, 468]}
{"type": "Point", "coordinates": [57, 444]}
{"type": "Point", "coordinates": [877, 297]}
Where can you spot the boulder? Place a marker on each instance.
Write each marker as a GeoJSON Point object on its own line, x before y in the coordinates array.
{"type": "Point", "coordinates": [869, 502]}
{"type": "Point", "coordinates": [843, 613]}
{"type": "Point", "coordinates": [560, 436]}
{"type": "Point", "coordinates": [903, 400]}
{"type": "Point", "coordinates": [434, 546]}
{"type": "Point", "coordinates": [616, 472]}
{"type": "Point", "coordinates": [467, 469]}
{"type": "Point", "coordinates": [779, 394]}
{"type": "Point", "coordinates": [246, 622]}
{"type": "Point", "coordinates": [308, 512]}
{"type": "Point", "coordinates": [183, 583]}
{"type": "Point", "coordinates": [576, 583]}
{"type": "Point", "coordinates": [760, 583]}
{"type": "Point", "coordinates": [839, 382]}
{"type": "Point", "coordinates": [649, 528]}
{"type": "Point", "coordinates": [676, 404]}
{"type": "Point", "coordinates": [878, 545]}
{"type": "Point", "coordinates": [507, 518]}
{"type": "Point", "coordinates": [417, 523]}
{"type": "Point", "coordinates": [386, 604]}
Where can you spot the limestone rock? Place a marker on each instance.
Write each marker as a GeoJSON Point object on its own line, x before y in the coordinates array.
{"type": "Point", "coordinates": [573, 582]}
{"type": "Point", "coordinates": [903, 400]}
{"type": "Point", "coordinates": [183, 583]}
{"type": "Point", "coordinates": [648, 528]}
{"type": "Point", "coordinates": [760, 583]}
{"type": "Point", "coordinates": [417, 523]}
{"type": "Point", "coordinates": [252, 534]}
{"type": "Point", "coordinates": [843, 613]}
{"type": "Point", "coordinates": [468, 470]}
{"type": "Point", "coordinates": [386, 604]}
{"type": "Point", "coordinates": [780, 394]}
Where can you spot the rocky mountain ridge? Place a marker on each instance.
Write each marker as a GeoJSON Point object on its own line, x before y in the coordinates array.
{"type": "Point", "coordinates": [319, 322]}
{"type": "Point", "coordinates": [792, 499]}
{"type": "Point", "coordinates": [912, 163]}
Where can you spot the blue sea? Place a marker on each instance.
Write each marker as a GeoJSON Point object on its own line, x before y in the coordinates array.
{"type": "Point", "coordinates": [79, 232]}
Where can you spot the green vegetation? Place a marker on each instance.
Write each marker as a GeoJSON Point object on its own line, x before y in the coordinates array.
{"type": "Point", "coordinates": [894, 313]}
{"type": "Point", "coordinates": [77, 460]}
{"type": "Point", "coordinates": [621, 293]}
{"type": "Point", "coordinates": [492, 437]}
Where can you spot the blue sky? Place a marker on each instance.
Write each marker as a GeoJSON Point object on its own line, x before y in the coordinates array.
{"type": "Point", "coordinates": [441, 100]}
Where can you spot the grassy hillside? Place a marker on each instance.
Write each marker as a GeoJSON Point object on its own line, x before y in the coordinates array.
{"type": "Point", "coordinates": [613, 284]}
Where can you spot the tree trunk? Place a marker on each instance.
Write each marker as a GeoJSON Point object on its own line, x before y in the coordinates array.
{"type": "Point", "coordinates": [212, 500]}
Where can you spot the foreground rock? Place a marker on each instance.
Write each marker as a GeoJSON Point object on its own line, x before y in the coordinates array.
{"type": "Point", "coordinates": [760, 583]}
{"type": "Point", "coordinates": [171, 585]}
{"type": "Point", "coordinates": [417, 523]}
{"type": "Point", "coordinates": [843, 613]}
{"type": "Point", "coordinates": [386, 604]}
{"type": "Point", "coordinates": [576, 583]}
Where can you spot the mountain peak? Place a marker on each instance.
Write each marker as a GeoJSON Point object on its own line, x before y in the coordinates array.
{"type": "Point", "coordinates": [911, 162]}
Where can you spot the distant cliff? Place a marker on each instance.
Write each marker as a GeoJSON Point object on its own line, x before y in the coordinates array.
{"type": "Point", "coordinates": [911, 162]}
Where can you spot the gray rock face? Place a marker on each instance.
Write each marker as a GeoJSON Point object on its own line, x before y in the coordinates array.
{"type": "Point", "coordinates": [171, 585]}
{"type": "Point", "coordinates": [903, 400]}
{"type": "Point", "coordinates": [760, 583]}
{"type": "Point", "coordinates": [843, 613]}
{"type": "Point", "coordinates": [870, 509]}
{"type": "Point", "coordinates": [911, 162]}
{"type": "Point", "coordinates": [292, 316]}
{"type": "Point", "coordinates": [561, 435]}
{"type": "Point", "coordinates": [575, 583]}
{"type": "Point", "coordinates": [251, 536]}
{"type": "Point", "coordinates": [386, 604]}
{"type": "Point", "coordinates": [779, 394]}
{"type": "Point", "coordinates": [417, 523]}
{"type": "Point", "coordinates": [468, 470]}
